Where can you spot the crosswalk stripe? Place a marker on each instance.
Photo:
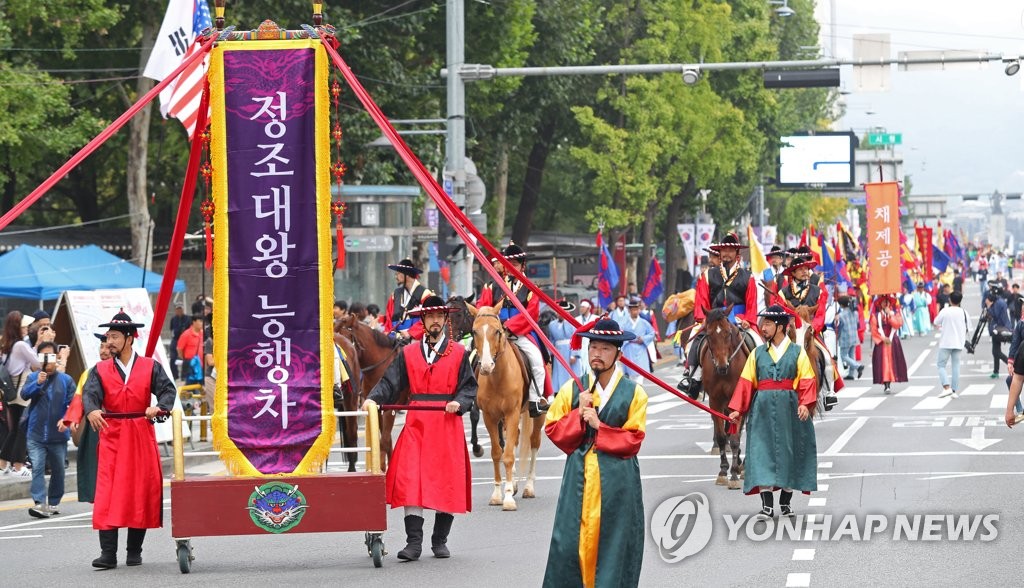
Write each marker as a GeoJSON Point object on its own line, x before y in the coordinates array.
{"type": "Point", "coordinates": [999, 401]}
{"type": "Point", "coordinates": [977, 390]}
{"type": "Point", "coordinates": [933, 403]}
{"type": "Point", "coordinates": [853, 392]}
{"type": "Point", "coordinates": [865, 403]}
{"type": "Point", "coordinates": [661, 398]}
{"type": "Point", "coordinates": [663, 406]}
{"type": "Point", "coordinates": [914, 391]}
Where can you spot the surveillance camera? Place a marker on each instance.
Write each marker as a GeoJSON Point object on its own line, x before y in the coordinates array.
{"type": "Point", "coordinates": [1012, 66]}
{"type": "Point", "coordinates": [690, 76]}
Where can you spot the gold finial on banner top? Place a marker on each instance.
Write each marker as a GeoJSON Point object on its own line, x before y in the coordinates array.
{"type": "Point", "coordinates": [218, 9]}
{"type": "Point", "coordinates": [318, 14]}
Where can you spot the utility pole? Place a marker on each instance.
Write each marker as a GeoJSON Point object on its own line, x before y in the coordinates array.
{"type": "Point", "coordinates": [455, 144]}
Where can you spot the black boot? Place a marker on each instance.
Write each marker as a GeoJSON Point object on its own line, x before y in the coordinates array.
{"type": "Point", "coordinates": [438, 541]}
{"type": "Point", "coordinates": [767, 506]}
{"type": "Point", "coordinates": [414, 538]}
{"type": "Point", "coordinates": [135, 538]}
{"type": "Point", "coordinates": [785, 499]}
{"type": "Point", "coordinates": [108, 551]}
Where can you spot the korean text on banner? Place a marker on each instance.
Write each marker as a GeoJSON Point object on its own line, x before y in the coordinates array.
{"type": "Point", "coordinates": [883, 237]}
{"type": "Point", "coordinates": [273, 288]}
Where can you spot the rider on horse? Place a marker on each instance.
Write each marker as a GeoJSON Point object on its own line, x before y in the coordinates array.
{"type": "Point", "coordinates": [409, 294]}
{"type": "Point", "coordinates": [718, 287]}
{"type": "Point", "coordinates": [802, 291]}
{"type": "Point", "coordinates": [519, 329]}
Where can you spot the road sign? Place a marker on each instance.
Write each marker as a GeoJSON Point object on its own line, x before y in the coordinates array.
{"type": "Point", "coordinates": [369, 243]}
{"type": "Point", "coordinates": [882, 139]}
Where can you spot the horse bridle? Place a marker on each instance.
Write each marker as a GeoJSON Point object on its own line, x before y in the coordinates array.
{"type": "Point", "coordinates": [732, 355]}
{"type": "Point", "coordinates": [501, 331]}
{"type": "Point", "coordinates": [362, 349]}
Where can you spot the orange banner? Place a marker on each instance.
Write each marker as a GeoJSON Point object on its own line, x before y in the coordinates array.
{"type": "Point", "coordinates": [883, 237]}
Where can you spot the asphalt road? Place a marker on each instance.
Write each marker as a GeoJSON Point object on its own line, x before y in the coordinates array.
{"type": "Point", "coordinates": [884, 458]}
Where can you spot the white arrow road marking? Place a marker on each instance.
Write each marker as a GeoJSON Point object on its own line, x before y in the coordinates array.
{"type": "Point", "coordinates": [977, 440]}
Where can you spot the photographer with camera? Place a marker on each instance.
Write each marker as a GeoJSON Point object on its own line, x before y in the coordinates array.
{"type": "Point", "coordinates": [50, 392]}
{"type": "Point", "coordinates": [998, 319]}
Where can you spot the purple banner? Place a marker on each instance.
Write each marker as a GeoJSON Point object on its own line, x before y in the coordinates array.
{"type": "Point", "coordinates": [273, 338]}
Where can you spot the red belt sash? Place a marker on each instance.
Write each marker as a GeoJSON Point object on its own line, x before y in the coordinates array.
{"type": "Point", "coordinates": [776, 385]}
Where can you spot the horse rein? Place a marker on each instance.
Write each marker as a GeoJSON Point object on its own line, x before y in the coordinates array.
{"type": "Point", "coordinates": [728, 362]}
{"type": "Point", "coordinates": [362, 349]}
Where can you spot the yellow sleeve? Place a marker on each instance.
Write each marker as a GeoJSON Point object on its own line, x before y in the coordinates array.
{"type": "Point", "coordinates": [637, 420]}
{"type": "Point", "coordinates": [81, 381]}
{"type": "Point", "coordinates": [749, 372]}
{"type": "Point", "coordinates": [804, 371]}
{"type": "Point", "coordinates": [562, 405]}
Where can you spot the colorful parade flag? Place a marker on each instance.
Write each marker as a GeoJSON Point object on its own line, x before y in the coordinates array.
{"type": "Point", "coordinates": [884, 237]}
{"type": "Point", "coordinates": [758, 262]}
{"type": "Point", "coordinates": [183, 22]}
{"type": "Point", "coordinates": [653, 287]}
{"type": "Point", "coordinates": [940, 261]}
{"type": "Point", "coordinates": [270, 150]}
{"type": "Point", "coordinates": [607, 274]}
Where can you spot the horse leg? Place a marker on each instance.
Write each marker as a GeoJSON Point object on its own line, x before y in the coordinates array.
{"type": "Point", "coordinates": [492, 431]}
{"type": "Point", "coordinates": [508, 457]}
{"type": "Point", "coordinates": [474, 422]}
{"type": "Point", "coordinates": [736, 473]}
{"type": "Point", "coordinates": [720, 443]}
{"type": "Point", "coordinates": [536, 425]}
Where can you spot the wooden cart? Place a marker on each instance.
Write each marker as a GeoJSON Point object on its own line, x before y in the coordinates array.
{"type": "Point", "coordinates": [327, 503]}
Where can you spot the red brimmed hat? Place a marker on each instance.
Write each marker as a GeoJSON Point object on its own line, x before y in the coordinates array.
{"type": "Point", "coordinates": [730, 240]}
{"type": "Point", "coordinates": [602, 329]}
{"type": "Point", "coordinates": [406, 267]}
{"type": "Point", "coordinates": [432, 303]}
{"type": "Point", "coordinates": [797, 263]}
{"type": "Point", "coordinates": [893, 301]}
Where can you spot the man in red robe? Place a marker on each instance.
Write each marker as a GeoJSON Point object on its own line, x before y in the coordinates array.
{"type": "Point", "coordinates": [129, 479]}
{"type": "Point", "coordinates": [430, 464]}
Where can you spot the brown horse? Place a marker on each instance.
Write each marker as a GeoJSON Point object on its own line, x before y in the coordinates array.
{"type": "Point", "coordinates": [503, 382]}
{"type": "Point", "coordinates": [375, 351]}
{"type": "Point", "coordinates": [350, 400]}
{"type": "Point", "coordinates": [804, 336]}
{"type": "Point", "coordinates": [722, 362]}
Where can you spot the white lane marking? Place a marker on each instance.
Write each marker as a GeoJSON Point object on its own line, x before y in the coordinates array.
{"type": "Point", "coordinates": [917, 363]}
{"type": "Point", "coordinates": [89, 526]}
{"type": "Point", "coordinates": [661, 398]}
{"type": "Point", "coordinates": [999, 401]}
{"type": "Point", "coordinates": [977, 390]}
{"type": "Point", "coordinates": [824, 465]}
{"type": "Point", "coordinates": [933, 344]}
{"type": "Point", "coordinates": [21, 537]}
{"type": "Point", "coordinates": [847, 434]}
{"type": "Point", "coordinates": [816, 501]}
{"type": "Point", "coordinates": [663, 407]}
{"type": "Point", "coordinates": [933, 403]}
{"type": "Point", "coordinates": [822, 487]}
{"type": "Point", "coordinates": [798, 580]}
{"type": "Point", "coordinates": [853, 392]}
{"type": "Point", "coordinates": [865, 403]}
{"type": "Point", "coordinates": [803, 554]}
{"type": "Point", "coordinates": [914, 391]}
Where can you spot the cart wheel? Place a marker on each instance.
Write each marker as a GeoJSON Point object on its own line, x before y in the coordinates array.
{"type": "Point", "coordinates": [377, 551]}
{"type": "Point", "coordinates": [184, 557]}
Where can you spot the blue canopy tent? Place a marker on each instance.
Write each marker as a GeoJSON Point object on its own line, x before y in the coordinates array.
{"type": "Point", "coordinates": [43, 274]}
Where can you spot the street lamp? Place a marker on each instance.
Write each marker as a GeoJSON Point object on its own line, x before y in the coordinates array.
{"type": "Point", "coordinates": [783, 9]}
{"type": "Point", "coordinates": [1012, 66]}
{"type": "Point", "coordinates": [691, 76]}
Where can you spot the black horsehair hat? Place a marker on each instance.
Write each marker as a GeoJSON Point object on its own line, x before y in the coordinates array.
{"type": "Point", "coordinates": [407, 267]}
{"type": "Point", "coordinates": [123, 323]}
{"type": "Point", "coordinates": [432, 303]}
{"type": "Point", "coordinates": [776, 250]}
{"type": "Point", "coordinates": [775, 313]}
{"type": "Point", "coordinates": [730, 240]}
{"type": "Point", "coordinates": [602, 329]}
{"type": "Point", "coordinates": [566, 305]}
{"type": "Point", "coordinates": [513, 251]}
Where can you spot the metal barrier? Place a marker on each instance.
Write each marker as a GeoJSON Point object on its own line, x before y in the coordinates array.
{"type": "Point", "coordinates": [372, 449]}
{"type": "Point", "coordinates": [187, 392]}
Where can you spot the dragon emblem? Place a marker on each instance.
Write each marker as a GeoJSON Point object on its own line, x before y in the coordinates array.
{"type": "Point", "coordinates": [276, 507]}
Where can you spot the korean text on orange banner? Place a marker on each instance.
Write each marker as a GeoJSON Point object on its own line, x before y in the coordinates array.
{"type": "Point", "coordinates": [883, 237]}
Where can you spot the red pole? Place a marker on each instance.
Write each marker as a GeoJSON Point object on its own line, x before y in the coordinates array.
{"type": "Point", "coordinates": [101, 138]}
{"type": "Point", "coordinates": [188, 190]}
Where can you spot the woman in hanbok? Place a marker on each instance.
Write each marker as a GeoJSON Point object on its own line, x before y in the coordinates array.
{"type": "Point", "coordinates": [888, 364]}
{"type": "Point", "coordinates": [922, 321]}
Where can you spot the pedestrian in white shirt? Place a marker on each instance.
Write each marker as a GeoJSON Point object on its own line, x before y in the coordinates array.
{"type": "Point", "coordinates": [954, 324]}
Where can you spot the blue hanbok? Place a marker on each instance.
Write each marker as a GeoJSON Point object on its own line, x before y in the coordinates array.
{"type": "Point", "coordinates": [560, 332]}
{"type": "Point", "coordinates": [634, 350]}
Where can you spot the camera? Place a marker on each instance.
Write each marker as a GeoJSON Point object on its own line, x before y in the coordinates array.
{"type": "Point", "coordinates": [46, 358]}
{"type": "Point", "coordinates": [969, 347]}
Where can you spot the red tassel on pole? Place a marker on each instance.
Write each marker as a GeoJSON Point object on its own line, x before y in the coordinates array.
{"type": "Point", "coordinates": [338, 209]}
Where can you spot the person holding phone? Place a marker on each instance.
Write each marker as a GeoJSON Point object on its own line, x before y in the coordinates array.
{"type": "Point", "coordinates": [50, 393]}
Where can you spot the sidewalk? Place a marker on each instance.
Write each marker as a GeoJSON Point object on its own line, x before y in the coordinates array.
{"type": "Point", "coordinates": [17, 488]}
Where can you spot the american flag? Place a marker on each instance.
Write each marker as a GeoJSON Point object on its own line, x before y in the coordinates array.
{"type": "Point", "coordinates": [184, 21]}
